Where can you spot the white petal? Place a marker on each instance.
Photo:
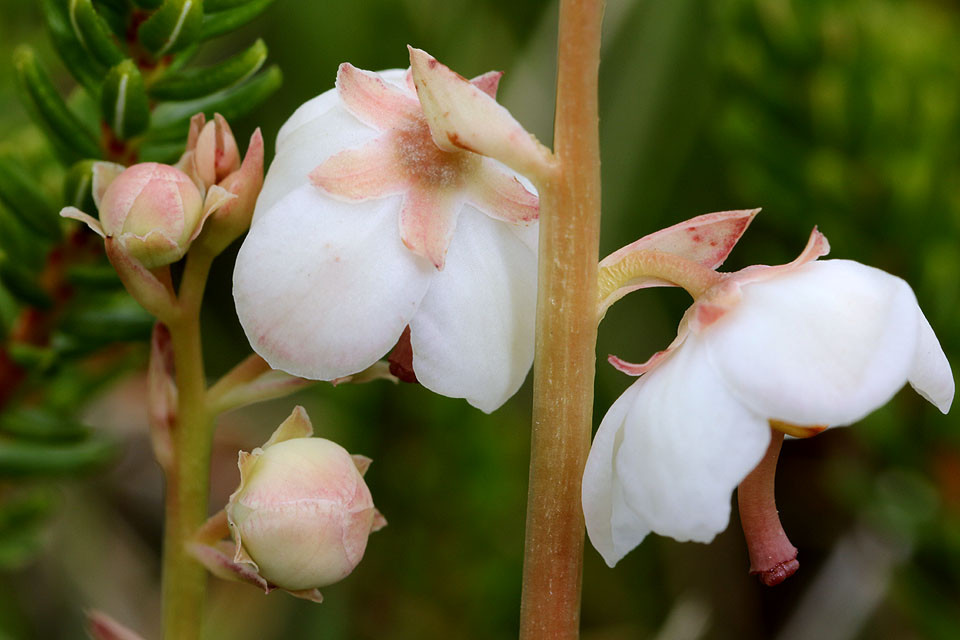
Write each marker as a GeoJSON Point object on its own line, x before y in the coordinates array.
{"type": "Point", "coordinates": [318, 106]}
{"type": "Point", "coordinates": [325, 288]}
{"type": "Point", "coordinates": [930, 375]}
{"type": "Point", "coordinates": [602, 493]}
{"type": "Point", "coordinates": [301, 153]}
{"type": "Point", "coordinates": [684, 444]}
{"type": "Point", "coordinates": [824, 344]}
{"type": "Point", "coordinates": [318, 129]}
{"type": "Point", "coordinates": [473, 335]}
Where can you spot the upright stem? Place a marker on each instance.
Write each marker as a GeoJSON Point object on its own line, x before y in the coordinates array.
{"type": "Point", "coordinates": [566, 336]}
{"type": "Point", "coordinates": [184, 579]}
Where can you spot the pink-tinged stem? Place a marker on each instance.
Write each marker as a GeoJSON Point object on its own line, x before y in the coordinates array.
{"type": "Point", "coordinates": [565, 354]}
{"type": "Point", "coordinates": [772, 558]}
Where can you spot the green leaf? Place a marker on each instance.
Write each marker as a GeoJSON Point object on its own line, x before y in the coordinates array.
{"type": "Point", "coordinates": [22, 283]}
{"type": "Point", "coordinates": [196, 83]}
{"type": "Point", "coordinates": [212, 6]}
{"type": "Point", "coordinates": [217, 24]}
{"type": "Point", "coordinates": [22, 518]}
{"type": "Point", "coordinates": [26, 200]}
{"type": "Point", "coordinates": [82, 66]}
{"type": "Point", "coordinates": [61, 124]}
{"type": "Point", "coordinates": [31, 356]}
{"type": "Point", "coordinates": [148, 4]}
{"type": "Point", "coordinates": [78, 186]}
{"type": "Point", "coordinates": [182, 58]}
{"type": "Point", "coordinates": [20, 459]}
{"type": "Point", "coordinates": [35, 423]}
{"type": "Point", "coordinates": [93, 277]}
{"type": "Point", "coordinates": [175, 26]}
{"type": "Point", "coordinates": [172, 120]}
{"type": "Point", "coordinates": [94, 33]}
{"type": "Point", "coordinates": [111, 319]}
{"type": "Point", "coordinates": [124, 102]}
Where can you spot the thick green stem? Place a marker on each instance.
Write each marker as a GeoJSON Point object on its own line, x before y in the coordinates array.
{"type": "Point", "coordinates": [184, 579]}
{"type": "Point", "coordinates": [566, 336]}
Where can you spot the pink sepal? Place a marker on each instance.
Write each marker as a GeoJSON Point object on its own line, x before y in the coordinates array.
{"type": "Point", "coordinates": [706, 240]}
{"type": "Point", "coordinates": [427, 221]}
{"type": "Point", "coordinates": [463, 116]}
{"type": "Point", "coordinates": [366, 172]}
{"type": "Point", "coordinates": [373, 101]}
{"type": "Point", "coordinates": [501, 196]}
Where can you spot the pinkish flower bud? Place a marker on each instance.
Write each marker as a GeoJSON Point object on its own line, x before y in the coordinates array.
{"type": "Point", "coordinates": [154, 210]}
{"type": "Point", "coordinates": [216, 154]}
{"type": "Point", "coordinates": [302, 513]}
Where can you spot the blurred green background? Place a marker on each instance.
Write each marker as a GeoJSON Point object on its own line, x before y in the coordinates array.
{"type": "Point", "coordinates": [839, 113]}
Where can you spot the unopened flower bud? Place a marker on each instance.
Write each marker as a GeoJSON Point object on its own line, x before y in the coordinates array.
{"type": "Point", "coordinates": [302, 513]}
{"type": "Point", "coordinates": [216, 154]}
{"type": "Point", "coordinates": [153, 209]}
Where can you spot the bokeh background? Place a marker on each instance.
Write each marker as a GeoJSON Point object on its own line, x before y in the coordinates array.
{"type": "Point", "coordinates": [839, 113]}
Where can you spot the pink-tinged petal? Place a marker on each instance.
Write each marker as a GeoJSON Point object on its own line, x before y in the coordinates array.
{"type": "Point", "coordinates": [104, 173]}
{"type": "Point", "coordinates": [668, 456]}
{"type": "Point", "coordinates": [500, 195]}
{"type": "Point", "coordinates": [372, 100]}
{"type": "Point", "coordinates": [473, 335]}
{"type": "Point", "coordinates": [369, 171]}
{"type": "Point", "coordinates": [322, 104]}
{"type": "Point", "coordinates": [930, 374]}
{"type": "Point", "coordinates": [427, 221]}
{"type": "Point", "coordinates": [825, 343]}
{"type": "Point", "coordinates": [75, 214]}
{"type": "Point", "coordinates": [462, 116]}
{"type": "Point", "coordinates": [308, 147]}
{"type": "Point", "coordinates": [197, 122]}
{"type": "Point", "coordinates": [325, 288]}
{"type": "Point", "coordinates": [103, 627]}
{"type": "Point", "coordinates": [488, 82]}
{"type": "Point", "coordinates": [706, 240]}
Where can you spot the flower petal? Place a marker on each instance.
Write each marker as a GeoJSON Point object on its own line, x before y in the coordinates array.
{"type": "Point", "coordinates": [473, 335]}
{"type": "Point", "coordinates": [930, 375]}
{"type": "Point", "coordinates": [676, 444]}
{"type": "Point", "coordinates": [825, 343]}
{"type": "Point", "coordinates": [313, 142]}
{"type": "Point", "coordinates": [325, 288]}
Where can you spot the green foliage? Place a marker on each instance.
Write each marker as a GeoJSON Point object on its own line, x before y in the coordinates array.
{"type": "Point", "coordinates": [63, 312]}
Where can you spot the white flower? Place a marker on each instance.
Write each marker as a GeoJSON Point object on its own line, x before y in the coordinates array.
{"type": "Point", "coordinates": [798, 347]}
{"type": "Point", "coordinates": [365, 227]}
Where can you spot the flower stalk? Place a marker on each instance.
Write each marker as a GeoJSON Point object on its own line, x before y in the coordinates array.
{"type": "Point", "coordinates": [566, 336]}
{"type": "Point", "coordinates": [188, 480]}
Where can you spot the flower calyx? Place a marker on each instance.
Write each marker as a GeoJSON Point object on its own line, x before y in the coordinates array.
{"type": "Point", "coordinates": [435, 179]}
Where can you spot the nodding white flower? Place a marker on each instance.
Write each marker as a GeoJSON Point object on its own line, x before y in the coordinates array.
{"type": "Point", "coordinates": [798, 347]}
{"type": "Point", "coordinates": [377, 227]}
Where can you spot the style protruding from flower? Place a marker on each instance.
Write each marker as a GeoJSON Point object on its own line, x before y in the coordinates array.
{"type": "Point", "coordinates": [300, 517]}
{"type": "Point", "coordinates": [762, 352]}
{"type": "Point", "coordinates": [393, 213]}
